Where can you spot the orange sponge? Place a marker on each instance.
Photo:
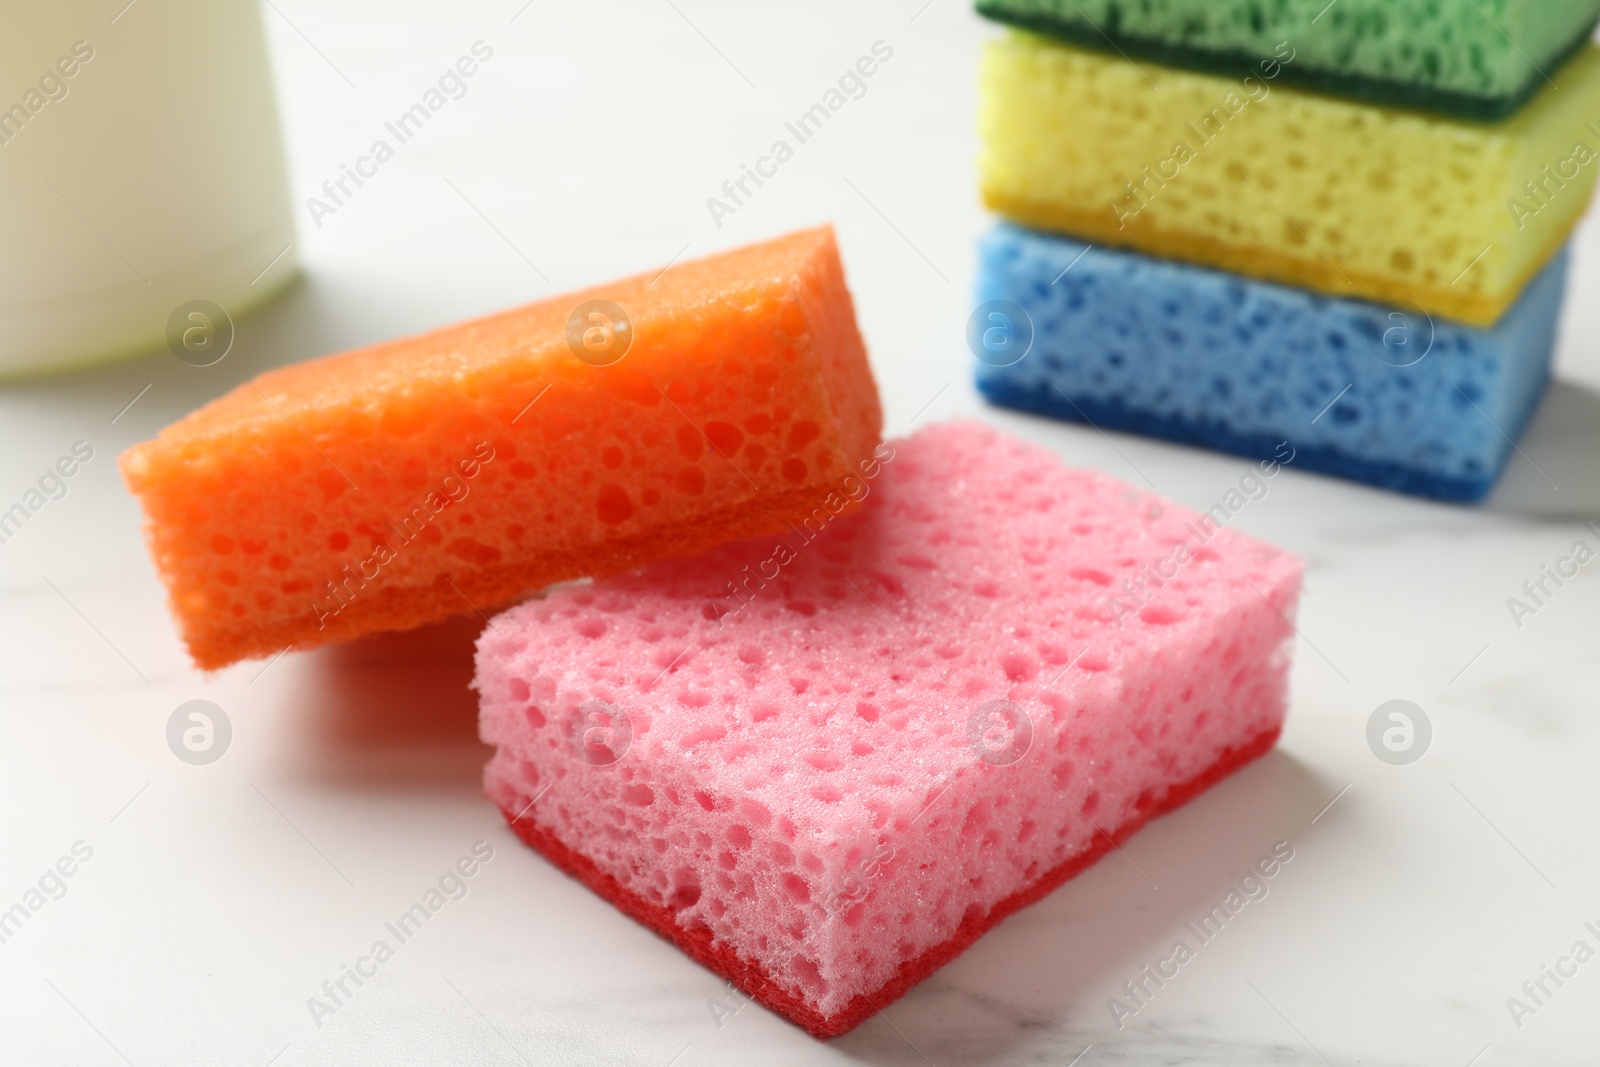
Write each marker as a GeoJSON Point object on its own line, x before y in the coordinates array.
{"type": "Point", "coordinates": [400, 484]}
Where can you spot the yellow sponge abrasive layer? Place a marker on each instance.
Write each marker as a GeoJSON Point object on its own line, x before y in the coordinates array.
{"type": "Point", "coordinates": [1402, 207]}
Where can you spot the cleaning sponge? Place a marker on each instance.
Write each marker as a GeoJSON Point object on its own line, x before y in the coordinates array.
{"type": "Point", "coordinates": [1468, 57]}
{"type": "Point", "coordinates": [1350, 199]}
{"type": "Point", "coordinates": [414, 480]}
{"type": "Point", "coordinates": [825, 763]}
{"type": "Point", "coordinates": [1378, 394]}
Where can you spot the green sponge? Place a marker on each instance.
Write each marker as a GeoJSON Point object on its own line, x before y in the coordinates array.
{"type": "Point", "coordinates": [1476, 59]}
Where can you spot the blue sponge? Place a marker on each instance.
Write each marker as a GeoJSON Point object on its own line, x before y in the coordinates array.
{"type": "Point", "coordinates": [1381, 395]}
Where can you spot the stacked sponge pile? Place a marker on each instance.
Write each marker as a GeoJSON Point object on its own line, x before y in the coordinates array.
{"type": "Point", "coordinates": [1340, 225]}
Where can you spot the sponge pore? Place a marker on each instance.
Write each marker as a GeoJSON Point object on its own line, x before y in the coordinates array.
{"type": "Point", "coordinates": [1381, 395]}
{"type": "Point", "coordinates": [1349, 199]}
{"type": "Point", "coordinates": [823, 764]}
{"type": "Point", "coordinates": [1471, 58]}
{"type": "Point", "coordinates": [414, 480]}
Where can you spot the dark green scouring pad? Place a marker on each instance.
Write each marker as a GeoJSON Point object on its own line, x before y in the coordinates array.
{"type": "Point", "coordinates": [1474, 59]}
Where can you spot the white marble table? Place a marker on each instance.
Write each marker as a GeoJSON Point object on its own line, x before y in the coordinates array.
{"type": "Point", "coordinates": [218, 898]}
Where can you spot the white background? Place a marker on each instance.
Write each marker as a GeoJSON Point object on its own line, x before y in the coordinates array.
{"type": "Point", "coordinates": [219, 898]}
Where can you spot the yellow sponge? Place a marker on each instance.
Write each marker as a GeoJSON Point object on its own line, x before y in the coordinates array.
{"type": "Point", "coordinates": [1352, 199]}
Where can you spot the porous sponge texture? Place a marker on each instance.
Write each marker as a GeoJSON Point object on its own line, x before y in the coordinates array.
{"type": "Point", "coordinates": [1475, 58]}
{"type": "Point", "coordinates": [1378, 394]}
{"type": "Point", "coordinates": [399, 484]}
{"type": "Point", "coordinates": [1349, 199]}
{"type": "Point", "coordinates": [833, 757]}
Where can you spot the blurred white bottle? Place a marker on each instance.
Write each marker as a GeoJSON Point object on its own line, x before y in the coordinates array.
{"type": "Point", "coordinates": [141, 168]}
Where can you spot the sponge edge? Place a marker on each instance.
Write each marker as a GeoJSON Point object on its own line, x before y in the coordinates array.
{"type": "Point", "coordinates": [1349, 199]}
{"type": "Point", "coordinates": [825, 764]}
{"type": "Point", "coordinates": [1453, 57]}
{"type": "Point", "coordinates": [1375, 394]}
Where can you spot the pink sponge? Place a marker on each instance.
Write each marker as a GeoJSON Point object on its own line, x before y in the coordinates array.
{"type": "Point", "coordinates": [824, 764]}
